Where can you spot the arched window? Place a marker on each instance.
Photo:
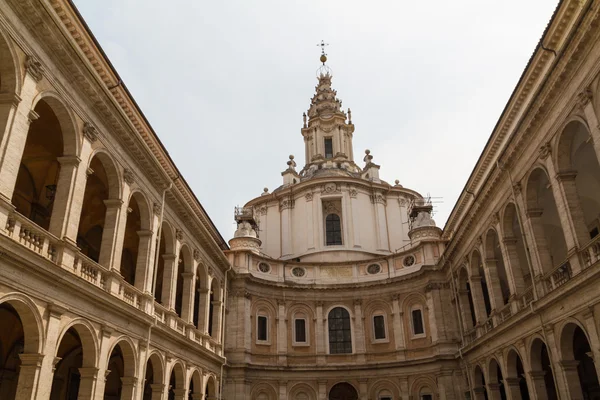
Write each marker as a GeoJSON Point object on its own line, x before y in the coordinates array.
{"type": "Point", "coordinates": [333, 229]}
{"type": "Point", "coordinates": [340, 336]}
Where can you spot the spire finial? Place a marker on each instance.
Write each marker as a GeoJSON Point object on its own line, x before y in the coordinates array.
{"type": "Point", "coordinates": [323, 55]}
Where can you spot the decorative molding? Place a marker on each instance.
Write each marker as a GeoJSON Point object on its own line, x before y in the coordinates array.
{"type": "Point", "coordinates": [352, 192]}
{"type": "Point", "coordinates": [156, 208]}
{"type": "Point", "coordinates": [196, 254]}
{"type": "Point", "coordinates": [308, 196]}
{"type": "Point", "coordinates": [128, 176]}
{"type": "Point", "coordinates": [34, 67]}
{"type": "Point", "coordinates": [585, 97]}
{"type": "Point", "coordinates": [378, 198]}
{"type": "Point", "coordinates": [402, 201]}
{"type": "Point", "coordinates": [90, 132]}
{"type": "Point", "coordinates": [517, 188]}
{"type": "Point", "coordinates": [332, 207]}
{"type": "Point", "coordinates": [32, 116]}
{"type": "Point", "coordinates": [179, 234]}
{"type": "Point", "coordinates": [261, 210]}
{"type": "Point", "coordinates": [545, 150]}
{"type": "Point", "coordinates": [330, 188]}
{"type": "Point", "coordinates": [286, 203]}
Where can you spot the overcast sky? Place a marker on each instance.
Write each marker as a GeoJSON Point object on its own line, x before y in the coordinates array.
{"type": "Point", "coordinates": [224, 83]}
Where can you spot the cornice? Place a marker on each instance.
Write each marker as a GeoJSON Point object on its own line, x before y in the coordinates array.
{"type": "Point", "coordinates": [485, 182]}
{"type": "Point", "coordinates": [99, 85]}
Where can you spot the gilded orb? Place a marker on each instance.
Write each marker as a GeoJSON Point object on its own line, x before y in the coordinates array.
{"type": "Point", "coordinates": [323, 58]}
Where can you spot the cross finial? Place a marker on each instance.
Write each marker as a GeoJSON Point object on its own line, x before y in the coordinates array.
{"type": "Point", "coordinates": [323, 44]}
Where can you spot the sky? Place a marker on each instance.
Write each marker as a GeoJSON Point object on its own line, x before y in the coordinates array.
{"type": "Point", "coordinates": [224, 83]}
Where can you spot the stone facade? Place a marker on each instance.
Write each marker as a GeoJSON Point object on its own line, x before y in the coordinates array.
{"type": "Point", "coordinates": [115, 284]}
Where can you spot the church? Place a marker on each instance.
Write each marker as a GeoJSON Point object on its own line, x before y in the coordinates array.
{"type": "Point", "coordinates": [116, 285]}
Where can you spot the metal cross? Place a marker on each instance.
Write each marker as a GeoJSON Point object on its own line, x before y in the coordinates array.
{"type": "Point", "coordinates": [323, 44]}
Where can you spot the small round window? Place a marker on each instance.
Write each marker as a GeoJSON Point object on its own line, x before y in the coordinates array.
{"type": "Point", "coordinates": [409, 261]}
{"type": "Point", "coordinates": [374, 269]}
{"type": "Point", "coordinates": [264, 267]}
{"type": "Point", "coordinates": [298, 272]}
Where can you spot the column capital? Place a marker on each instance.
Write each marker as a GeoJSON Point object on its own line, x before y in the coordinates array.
{"type": "Point", "coordinates": [10, 98]}
{"type": "Point", "coordinates": [129, 380]}
{"type": "Point", "coordinates": [537, 374]}
{"type": "Point", "coordinates": [169, 257]}
{"type": "Point", "coordinates": [89, 372]}
{"type": "Point", "coordinates": [512, 381]}
{"type": "Point", "coordinates": [145, 233]}
{"type": "Point", "coordinates": [34, 359]}
{"type": "Point", "coordinates": [113, 203]}
{"type": "Point", "coordinates": [157, 387]}
{"type": "Point", "coordinates": [534, 212]}
{"type": "Point", "coordinates": [569, 365]}
{"type": "Point", "coordinates": [187, 274]}
{"type": "Point", "coordinates": [566, 176]}
{"type": "Point", "coordinates": [65, 161]}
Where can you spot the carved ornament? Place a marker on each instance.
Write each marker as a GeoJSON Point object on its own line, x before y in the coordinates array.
{"type": "Point", "coordinates": [353, 192]}
{"type": "Point", "coordinates": [585, 97]}
{"type": "Point", "coordinates": [90, 132]}
{"type": "Point", "coordinates": [545, 150]}
{"type": "Point", "coordinates": [34, 67]}
{"type": "Point", "coordinates": [330, 188]}
{"type": "Point", "coordinates": [308, 196]}
{"type": "Point", "coordinates": [179, 234]}
{"type": "Point", "coordinates": [128, 176]}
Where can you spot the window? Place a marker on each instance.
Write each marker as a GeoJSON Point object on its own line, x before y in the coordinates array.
{"type": "Point", "coordinates": [340, 337]}
{"type": "Point", "coordinates": [379, 327]}
{"type": "Point", "coordinates": [417, 322]}
{"type": "Point", "coordinates": [333, 230]}
{"type": "Point", "coordinates": [426, 397]}
{"type": "Point", "coordinates": [328, 148]}
{"type": "Point", "coordinates": [300, 330]}
{"type": "Point", "coordinates": [261, 328]}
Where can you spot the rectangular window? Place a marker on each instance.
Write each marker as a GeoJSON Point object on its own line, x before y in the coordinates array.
{"type": "Point", "coordinates": [379, 326]}
{"type": "Point", "coordinates": [300, 326]}
{"type": "Point", "coordinates": [261, 328]}
{"type": "Point", "coordinates": [385, 398]}
{"type": "Point", "coordinates": [417, 319]}
{"type": "Point", "coordinates": [426, 397]}
{"type": "Point", "coordinates": [329, 148]}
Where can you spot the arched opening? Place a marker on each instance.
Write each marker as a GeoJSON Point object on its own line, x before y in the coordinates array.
{"type": "Point", "coordinates": [8, 69]}
{"type": "Point", "coordinates": [195, 387]}
{"type": "Point", "coordinates": [210, 392]}
{"type": "Point", "coordinates": [579, 173]}
{"type": "Point", "coordinates": [494, 261]}
{"type": "Point", "coordinates": [179, 283]}
{"type": "Point", "coordinates": [467, 308]}
{"type": "Point", "coordinates": [101, 185]}
{"type": "Point", "coordinates": [120, 382]}
{"type": "Point", "coordinates": [211, 312]}
{"type": "Point", "coordinates": [66, 380]}
{"type": "Point", "coordinates": [340, 331]}
{"type": "Point", "coordinates": [12, 344]}
{"type": "Point", "coordinates": [496, 381]}
{"type": "Point", "coordinates": [153, 382]}
{"type": "Point", "coordinates": [333, 230]}
{"type": "Point", "coordinates": [515, 249]}
{"type": "Point", "coordinates": [479, 384]}
{"type": "Point", "coordinates": [164, 253]}
{"type": "Point", "coordinates": [37, 179]}
{"type": "Point", "coordinates": [578, 364]}
{"type": "Point", "coordinates": [131, 241]}
{"type": "Point", "coordinates": [541, 370]}
{"type": "Point", "coordinates": [116, 365]}
{"type": "Point", "coordinates": [176, 383]}
{"type": "Point", "coordinates": [343, 391]}
{"type": "Point", "coordinates": [515, 379]}
{"type": "Point", "coordinates": [545, 222]}
{"type": "Point", "coordinates": [197, 294]}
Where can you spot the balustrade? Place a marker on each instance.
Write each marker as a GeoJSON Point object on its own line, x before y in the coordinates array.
{"type": "Point", "coordinates": [32, 236]}
{"type": "Point", "coordinates": [557, 277]}
{"type": "Point", "coordinates": [590, 254]}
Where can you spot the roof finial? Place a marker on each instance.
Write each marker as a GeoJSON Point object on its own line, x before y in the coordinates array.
{"type": "Point", "coordinates": [323, 55]}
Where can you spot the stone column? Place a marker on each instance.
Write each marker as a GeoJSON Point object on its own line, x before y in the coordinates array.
{"type": "Point", "coordinates": [435, 312]}
{"type": "Point", "coordinates": [46, 364]}
{"type": "Point", "coordinates": [479, 393]}
{"type": "Point", "coordinates": [283, 390]}
{"type": "Point", "coordinates": [143, 268]}
{"type": "Point", "coordinates": [65, 186]}
{"type": "Point", "coordinates": [320, 334]}
{"type": "Point", "coordinates": [310, 228]}
{"type": "Point", "coordinates": [566, 182]}
{"type": "Point", "coordinates": [158, 389]}
{"type": "Point", "coordinates": [87, 383]}
{"type": "Point", "coordinates": [359, 330]}
{"type": "Point", "coordinates": [180, 394]}
{"type": "Point", "coordinates": [28, 387]}
{"type": "Point", "coordinates": [561, 385]}
{"type": "Point", "coordinates": [363, 393]}
{"type": "Point", "coordinates": [355, 214]}
{"type": "Point", "coordinates": [594, 341]}
{"type": "Point", "coordinates": [514, 273]}
{"type": "Point", "coordinates": [108, 247]}
{"type": "Point", "coordinates": [104, 355]}
{"type": "Point", "coordinates": [465, 309]}
{"type": "Point", "coordinates": [569, 370]}
{"type": "Point", "coordinates": [478, 302]}
{"type": "Point", "coordinates": [592, 118]}
{"type": "Point", "coordinates": [203, 310]}
{"type": "Point", "coordinates": [285, 208]}
{"type": "Point", "coordinates": [493, 281]}
{"type": "Point", "coordinates": [217, 315]}
{"type": "Point", "coordinates": [322, 395]}
{"type": "Point", "coordinates": [378, 201]}
{"type": "Point", "coordinates": [398, 321]}
{"type": "Point", "coordinates": [169, 286]}
{"type": "Point", "coordinates": [128, 387]}
{"type": "Point", "coordinates": [282, 338]}
{"type": "Point", "coordinates": [545, 262]}
{"type": "Point", "coordinates": [538, 385]}
{"type": "Point", "coordinates": [513, 391]}
{"type": "Point", "coordinates": [446, 386]}
{"type": "Point", "coordinates": [187, 305]}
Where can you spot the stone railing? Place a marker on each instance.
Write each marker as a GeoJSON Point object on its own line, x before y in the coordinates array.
{"type": "Point", "coordinates": [90, 270]}
{"type": "Point", "coordinates": [32, 236]}
{"type": "Point", "coordinates": [470, 336]}
{"type": "Point", "coordinates": [526, 298]}
{"type": "Point", "coordinates": [504, 313]}
{"type": "Point", "coordinates": [36, 239]}
{"type": "Point", "coordinates": [557, 277]}
{"type": "Point", "coordinates": [590, 254]}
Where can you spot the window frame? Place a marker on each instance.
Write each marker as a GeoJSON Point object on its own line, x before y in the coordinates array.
{"type": "Point", "coordinates": [259, 341]}
{"type": "Point", "coordinates": [412, 326]}
{"type": "Point", "coordinates": [325, 140]}
{"type": "Point", "coordinates": [341, 230]}
{"type": "Point", "coordinates": [353, 351]}
{"type": "Point", "coordinates": [385, 338]}
{"type": "Point", "coordinates": [295, 343]}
